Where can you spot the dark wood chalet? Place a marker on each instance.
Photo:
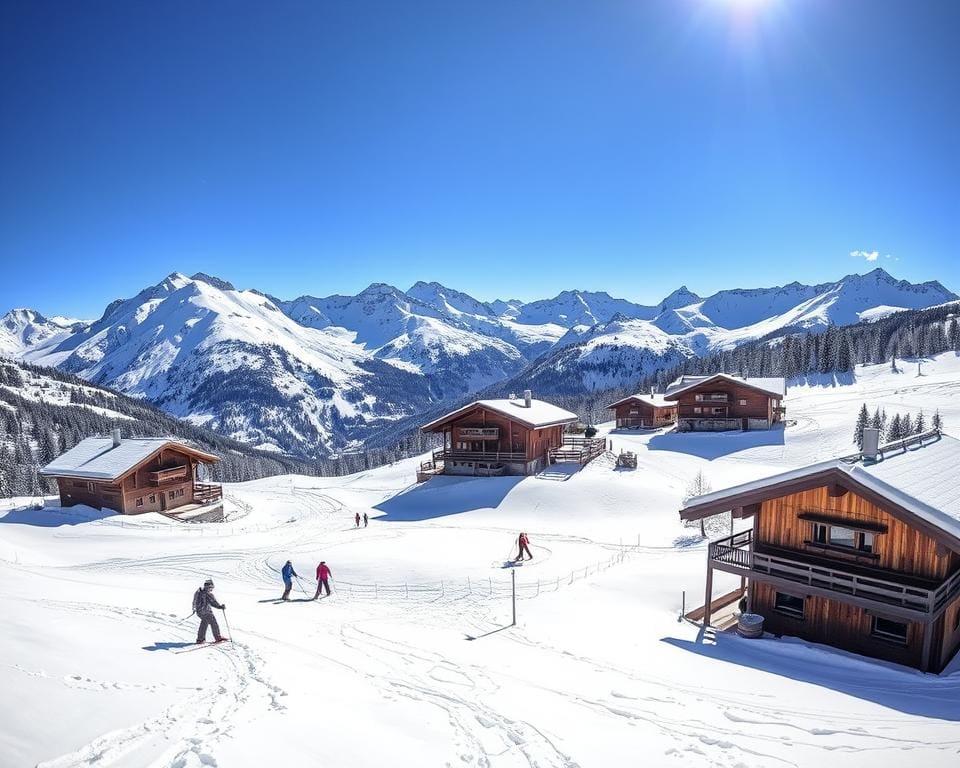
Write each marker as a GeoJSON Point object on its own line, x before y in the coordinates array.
{"type": "Point", "coordinates": [498, 437]}
{"type": "Point", "coordinates": [722, 402]}
{"type": "Point", "coordinates": [132, 475]}
{"type": "Point", "coordinates": [862, 553]}
{"type": "Point", "coordinates": [643, 410]}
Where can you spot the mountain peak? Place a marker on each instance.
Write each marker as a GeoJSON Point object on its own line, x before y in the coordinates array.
{"type": "Point", "coordinates": [216, 282]}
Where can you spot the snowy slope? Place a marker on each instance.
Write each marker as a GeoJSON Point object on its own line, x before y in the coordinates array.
{"type": "Point", "coordinates": [412, 662]}
{"type": "Point", "coordinates": [231, 360]}
{"type": "Point", "coordinates": [21, 329]}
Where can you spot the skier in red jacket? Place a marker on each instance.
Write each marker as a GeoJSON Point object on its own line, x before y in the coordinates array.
{"type": "Point", "coordinates": [523, 545]}
{"type": "Point", "coordinates": [323, 576]}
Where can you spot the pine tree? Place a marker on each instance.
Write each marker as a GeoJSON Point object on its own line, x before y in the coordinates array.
{"type": "Point", "coordinates": [906, 426]}
{"type": "Point", "coordinates": [937, 422]}
{"type": "Point", "coordinates": [894, 431]}
{"type": "Point", "coordinates": [862, 419]}
{"type": "Point", "coordinates": [920, 425]}
{"type": "Point", "coordinates": [876, 422]}
{"type": "Point", "coordinates": [953, 335]}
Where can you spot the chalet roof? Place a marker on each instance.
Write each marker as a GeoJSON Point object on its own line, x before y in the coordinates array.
{"type": "Point", "coordinates": [773, 385]}
{"type": "Point", "coordinates": [539, 414]}
{"type": "Point", "coordinates": [916, 476]}
{"type": "Point", "coordinates": [96, 458]}
{"type": "Point", "coordinates": [656, 400]}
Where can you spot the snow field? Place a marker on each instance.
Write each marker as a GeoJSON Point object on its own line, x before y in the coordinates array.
{"type": "Point", "coordinates": [411, 661]}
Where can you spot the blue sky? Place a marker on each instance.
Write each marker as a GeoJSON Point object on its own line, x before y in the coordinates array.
{"type": "Point", "coordinates": [510, 149]}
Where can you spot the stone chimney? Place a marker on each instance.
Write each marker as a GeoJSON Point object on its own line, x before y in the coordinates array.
{"type": "Point", "coordinates": [871, 443]}
{"type": "Point", "coordinates": [528, 398]}
{"type": "Point", "coordinates": [115, 434]}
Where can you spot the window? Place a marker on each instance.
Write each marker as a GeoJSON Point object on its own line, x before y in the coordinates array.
{"type": "Point", "coordinates": [698, 398]}
{"type": "Point", "coordinates": [886, 629]}
{"type": "Point", "coordinates": [140, 501]}
{"type": "Point", "coordinates": [634, 411]}
{"type": "Point", "coordinates": [153, 498]}
{"type": "Point", "coordinates": [718, 410]}
{"type": "Point", "coordinates": [742, 402]}
{"type": "Point", "coordinates": [788, 604]}
{"type": "Point", "coordinates": [845, 538]}
{"type": "Point", "coordinates": [91, 487]}
{"type": "Point", "coordinates": [698, 410]}
{"type": "Point", "coordinates": [170, 495]}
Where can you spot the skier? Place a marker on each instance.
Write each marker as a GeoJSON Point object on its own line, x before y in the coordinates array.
{"type": "Point", "coordinates": [356, 519]}
{"type": "Point", "coordinates": [323, 576]}
{"type": "Point", "coordinates": [203, 604]}
{"type": "Point", "coordinates": [288, 576]}
{"type": "Point", "coordinates": [523, 545]}
{"type": "Point", "coordinates": [366, 520]}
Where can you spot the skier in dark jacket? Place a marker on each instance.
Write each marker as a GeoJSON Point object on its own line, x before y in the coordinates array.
{"type": "Point", "coordinates": [323, 579]}
{"type": "Point", "coordinates": [366, 520]}
{"type": "Point", "coordinates": [356, 519]}
{"type": "Point", "coordinates": [523, 546]}
{"type": "Point", "coordinates": [203, 604]}
{"type": "Point", "coordinates": [288, 576]}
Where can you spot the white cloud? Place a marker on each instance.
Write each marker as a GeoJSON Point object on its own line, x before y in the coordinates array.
{"type": "Point", "coordinates": [868, 255]}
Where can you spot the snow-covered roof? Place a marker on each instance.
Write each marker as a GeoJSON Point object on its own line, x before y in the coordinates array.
{"type": "Point", "coordinates": [96, 458]}
{"type": "Point", "coordinates": [775, 385]}
{"type": "Point", "coordinates": [539, 414]}
{"type": "Point", "coordinates": [656, 400]}
{"type": "Point", "coordinates": [917, 476]}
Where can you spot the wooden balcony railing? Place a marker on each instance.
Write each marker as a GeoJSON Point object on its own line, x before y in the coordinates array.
{"type": "Point", "coordinates": [169, 474]}
{"type": "Point", "coordinates": [452, 454]}
{"type": "Point", "coordinates": [204, 493]}
{"type": "Point", "coordinates": [737, 553]}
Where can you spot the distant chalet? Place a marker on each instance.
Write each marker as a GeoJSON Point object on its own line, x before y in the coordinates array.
{"type": "Point", "coordinates": [862, 552]}
{"type": "Point", "coordinates": [722, 402]}
{"type": "Point", "coordinates": [497, 437]}
{"type": "Point", "coordinates": [132, 475]}
{"type": "Point", "coordinates": [643, 410]}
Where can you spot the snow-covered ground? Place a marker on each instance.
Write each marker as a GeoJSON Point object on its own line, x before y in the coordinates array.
{"type": "Point", "coordinates": [411, 662]}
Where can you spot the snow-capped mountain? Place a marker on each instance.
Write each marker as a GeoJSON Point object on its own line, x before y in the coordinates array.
{"type": "Point", "coordinates": [311, 376]}
{"type": "Point", "coordinates": [232, 361]}
{"type": "Point", "coordinates": [21, 329]}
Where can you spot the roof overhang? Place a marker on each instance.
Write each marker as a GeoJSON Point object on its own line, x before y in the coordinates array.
{"type": "Point", "coordinates": [721, 377]}
{"type": "Point", "coordinates": [748, 501]}
{"type": "Point", "coordinates": [437, 424]}
{"type": "Point", "coordinates": [203, 456]}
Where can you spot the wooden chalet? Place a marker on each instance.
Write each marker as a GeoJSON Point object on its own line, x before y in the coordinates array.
{"type": "Point", "coordinates": [644, 411]}
{"type": "Point", "coordinates": [723, 402]}
{"type": "Point", "coordinates": [499, 437]}
{"type": "Point", "coordinates": [862, 553]}
{"type": "Point", "coordinates": [132, 475]}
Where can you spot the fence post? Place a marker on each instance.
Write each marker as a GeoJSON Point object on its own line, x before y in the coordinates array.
{"type": "Point", "coordinates": [513, 590]}
{"type": "Point", "coordinates": [469, 588]}
{"type": "Point", "coordinates": [683, 606]}
{"type": "Point", "coordinates": [538, 588]}
{"type": "Point", "coordinates": [376, 591]}
{"type": "Point", "coordinates": [406, 591]}
{"type": "Point", "coordinates": [490, 579]}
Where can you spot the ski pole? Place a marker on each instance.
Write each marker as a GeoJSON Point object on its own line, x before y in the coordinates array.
{"type": "Point", "coordinates": [227, 622]}
{"type": "Point", "coordinates": [300, 584]}
{"type": "Point", "coordinates": [185, 618]}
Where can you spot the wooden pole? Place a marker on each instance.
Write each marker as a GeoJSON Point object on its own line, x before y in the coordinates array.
{"type": "Point", "coordinates": [708, 598]}
{"type": "Point", "coordinates": [927, 646]}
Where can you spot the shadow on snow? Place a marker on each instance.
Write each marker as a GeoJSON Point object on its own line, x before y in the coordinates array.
{"type": "Point", "coordinates": [446, 495]}
{"type": "Point", "coordinates": [54, 517]}
{"type": "Point", "coordinates": [713, 445]}
{"type": "Point", "coordinates": [890, 685]}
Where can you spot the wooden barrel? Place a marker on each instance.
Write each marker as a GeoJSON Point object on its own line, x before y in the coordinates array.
{"type": "Point", "coordinates": [750, 625]}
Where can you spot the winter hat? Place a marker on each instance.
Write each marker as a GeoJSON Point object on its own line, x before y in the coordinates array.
{"type": "Point", "coordinates": [208, 583]}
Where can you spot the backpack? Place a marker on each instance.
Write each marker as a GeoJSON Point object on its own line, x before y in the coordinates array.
{"type": "Point", "coordinates": [199, 601]}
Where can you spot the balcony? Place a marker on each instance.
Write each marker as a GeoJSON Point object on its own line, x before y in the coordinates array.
{"type": "Point", "coordinates": [169, 475]}
{"type": "Point", "coordinates": [911, 597]}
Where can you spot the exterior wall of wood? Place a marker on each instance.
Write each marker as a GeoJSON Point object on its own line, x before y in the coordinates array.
{"type": "Point", "coordinates": [122, 496]}
{"type": "Point", "coordinates": [756, 404]}
{"type": "Point", "coordinates": [647, 413]}
{"type": "Point", "coordinates": [513, 437]}
{"type": "Point", "coordinates": [947, 638]}
{"type": "Point", "coordinates": [901, 548]}
{"type": "Point", "coordinates": [835, 623]}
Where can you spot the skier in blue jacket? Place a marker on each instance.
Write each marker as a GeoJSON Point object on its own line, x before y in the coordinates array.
{"type": "Point", "coordinates": [288, 576]}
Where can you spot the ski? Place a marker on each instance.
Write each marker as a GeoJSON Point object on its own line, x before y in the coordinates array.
{"type": "Point", "coordinates": [198, 646]}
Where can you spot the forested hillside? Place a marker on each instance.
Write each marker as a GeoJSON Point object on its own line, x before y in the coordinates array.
{"type": "Point", "coordinates": [44, 412]}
